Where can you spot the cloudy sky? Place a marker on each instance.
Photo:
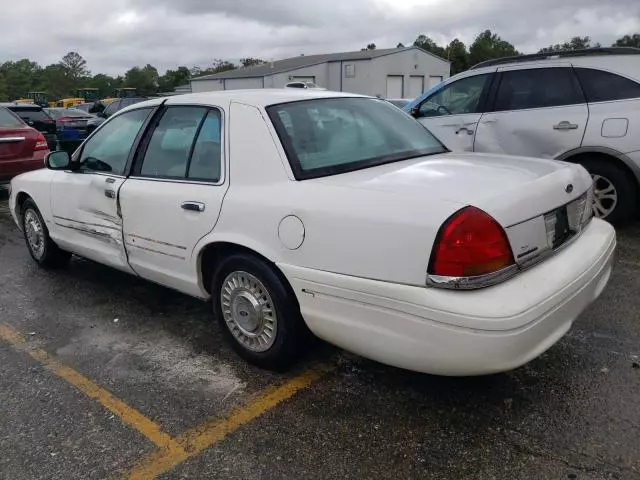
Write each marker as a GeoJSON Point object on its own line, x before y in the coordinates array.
{"type": "Point", "coordinates": [114, 35]}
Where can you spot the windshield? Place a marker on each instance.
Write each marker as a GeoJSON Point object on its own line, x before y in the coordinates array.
{"type": "Point", "coordinates": [329, 136]}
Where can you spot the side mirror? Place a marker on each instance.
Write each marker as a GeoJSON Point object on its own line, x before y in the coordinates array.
{"type": "Point", "coordinates": [58, 160]}
{"type": "Point", "coordinates": [415, 111]}
{"type": "Point", "coordinates": [101, 115]}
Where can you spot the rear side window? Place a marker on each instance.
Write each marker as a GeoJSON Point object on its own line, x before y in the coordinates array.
{"type": "Point", "coordinates": [9, 120]}
{"type": "Point", "coordinates": [170, 145]}
{"type": "Point", "coordinates": [537, 88]}
{"type": "Point", "coordinates": [602, 86]}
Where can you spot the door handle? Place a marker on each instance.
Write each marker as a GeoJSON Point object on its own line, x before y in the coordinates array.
{"type": "Point", "coordinates": [193, 206]}
{"type": "Point", "coordinates": [110, 194]}
{"type": "Point", "coordinates": [466, 129]}
{"type": "Point", "coordinates": [110, 180]}
{"type": "Point", "coordinates": [564, 125]}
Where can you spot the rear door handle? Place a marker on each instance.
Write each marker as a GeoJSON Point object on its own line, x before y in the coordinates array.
{"type": "Point", "coordinates": [465, 129]}
{"type": "Point", "coordinates": [193, 206]}
{"type": "Point", "coordinates": [564, 125]}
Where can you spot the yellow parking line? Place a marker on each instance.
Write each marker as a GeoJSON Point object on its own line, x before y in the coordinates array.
{"type": "Point", "coordinates": [127, 414]}
{"type": "Point", "coordinates": [201, 437]}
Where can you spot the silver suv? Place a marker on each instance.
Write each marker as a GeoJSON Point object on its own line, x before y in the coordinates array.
{"type": "Point", "coordinates": [580, 106]}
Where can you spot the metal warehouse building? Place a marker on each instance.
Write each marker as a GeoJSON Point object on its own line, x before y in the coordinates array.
{"type": "Point", "coordinates": [390, 73]}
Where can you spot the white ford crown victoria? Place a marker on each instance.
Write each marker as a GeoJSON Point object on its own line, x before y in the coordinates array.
{"type": "Point", "coordinates": [309, 210]}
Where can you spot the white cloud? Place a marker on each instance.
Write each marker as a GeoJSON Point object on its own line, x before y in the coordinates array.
{"type": "Point", "coordinates": [115, 35]}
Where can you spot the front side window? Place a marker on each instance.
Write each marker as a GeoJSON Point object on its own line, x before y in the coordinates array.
{"type": "Point", "coordinates": [602, 86]}
{"type": "Point", "coordinates": [329, 136]}
{"type": "Point", "coordinates": [167, 154]}
{"type": "Point", "coordinates": [462, 96]}
{"type": "Point", "coordinates": [108, 150]}
{"type": "Point", "coordinates": [537, 88]}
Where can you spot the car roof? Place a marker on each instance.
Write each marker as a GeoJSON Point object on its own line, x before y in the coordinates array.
{"type": "Point", "coordinates": [260, 97]}
{"type": "Point", "coordinates": [25, 106]}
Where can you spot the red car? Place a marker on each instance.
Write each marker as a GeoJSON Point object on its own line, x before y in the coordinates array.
{"type": "Point", "coordinates": [22, 148]}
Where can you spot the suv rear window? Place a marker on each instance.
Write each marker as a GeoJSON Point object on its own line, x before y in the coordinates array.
{"type": "Point", "coordinates": [602, 86]}
{"type": "Point", "coordinates": [537, 88]}
{"type": "Point", "coordinates": [36, 114]}
{"type": "Point", "coordinates": [9, 120]}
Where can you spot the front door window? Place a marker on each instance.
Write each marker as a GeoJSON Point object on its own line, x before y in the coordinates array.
{"type": "Point", "coordinates": [456, 98]}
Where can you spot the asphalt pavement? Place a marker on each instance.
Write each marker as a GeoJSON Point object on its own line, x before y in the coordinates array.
{"type": "Point", "coordinates": [106, 376]}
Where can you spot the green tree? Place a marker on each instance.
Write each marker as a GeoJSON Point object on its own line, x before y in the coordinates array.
{"type": "Point", "coordinates": [370, 46]}
{"type": "Point", "coordinates": [54, 80]}
{"type": "Point", "coordinates": [144, 80]}
{"type": "Point", "coordinates": [19, 78]}
{"type": "Point", "coordinates": [106, 84]}
{"type": "Point", "coordinates": [458, 56]}
{"type": "Point", "coordinates": [400, 45]}
{"type": "Point", "coordinates": [250, 62]}
{"type": "Point", "coordinates": [173, 78]}
{"type": "Point", "coordinates": [219, 65]}
{"type": "Point", "coordinates": [488, 46]}
{"type": "Point", "coordinates": [576, 43]}
{"type": "Point", "coordinates": [628, 41]}
{"type": "Point", "coordinates": [75, 66]}
{"type": "Point", "coordinates": [429, 45]}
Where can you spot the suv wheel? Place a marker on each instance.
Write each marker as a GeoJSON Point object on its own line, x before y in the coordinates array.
{"type": "Point", "coordinates": [258, 312]}
{"type": "Point", "coordinates": [615, 193]}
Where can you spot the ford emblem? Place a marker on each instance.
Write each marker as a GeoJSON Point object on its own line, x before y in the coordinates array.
{"type": "Point", "coordinates": [569, 188]}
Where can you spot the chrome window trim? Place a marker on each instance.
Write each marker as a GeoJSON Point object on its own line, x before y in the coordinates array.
{"type": "Point", "coordinates": [493, 278]}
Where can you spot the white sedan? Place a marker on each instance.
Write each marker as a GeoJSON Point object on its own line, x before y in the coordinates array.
{"type": "Point", "coordinates": [298, 211]}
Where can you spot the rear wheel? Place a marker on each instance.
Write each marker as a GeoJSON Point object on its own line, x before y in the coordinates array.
{"type": "Point", "coordinates": [258, 312]}
{"type": "Point", "coordinates": [615, 192]}
{"type": "Point", "coordinates": [42, 249]}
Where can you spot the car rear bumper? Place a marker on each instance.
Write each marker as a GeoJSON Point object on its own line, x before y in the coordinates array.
{"type": "Point", "coordinates": [481, 332]}
{"type": "Point", "coordinates": [11, 168]}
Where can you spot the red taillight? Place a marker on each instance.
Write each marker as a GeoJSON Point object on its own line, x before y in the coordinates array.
{"type": "Point", "coordinates": [41, 143]}
{"type": "Point", "coordinates": [470, 243]}
{"type": "Point", "coordinates": [65, 119]}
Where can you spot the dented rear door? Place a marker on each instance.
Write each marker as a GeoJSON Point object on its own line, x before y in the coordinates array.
{"type": "Point", "coordinates": [535, 111]}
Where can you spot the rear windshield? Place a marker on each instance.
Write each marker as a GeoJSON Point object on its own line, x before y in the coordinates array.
{"type": "Point", "coordinates": [9, 120]}
{"type": "Point", "coordinates": [32, 114]}
{"type": "Point", "coordinates": [66, 112]}
{"type": "Point", "coordinates": [335, 135]}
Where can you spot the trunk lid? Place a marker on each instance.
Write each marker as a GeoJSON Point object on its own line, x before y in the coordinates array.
{"type": "Point", "coordinates": [17, 143]}
{"type": "Point", "coordinates": [511, 189]}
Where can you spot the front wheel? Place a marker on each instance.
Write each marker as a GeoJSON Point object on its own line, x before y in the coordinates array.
{"type": "Point", "coordinates": [615, 192]}
{"type": "Point", "coordinates": [258, 312]}
{"type": "Point", "coordinates": [42, 249]}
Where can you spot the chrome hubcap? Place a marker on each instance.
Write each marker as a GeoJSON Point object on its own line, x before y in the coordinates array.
{"type": "Point", "coordinates": [248, 311]}
{"type": "Point", "coordinates": [35, 233]}
{"type": "Point", "coordinates": [605, 196]}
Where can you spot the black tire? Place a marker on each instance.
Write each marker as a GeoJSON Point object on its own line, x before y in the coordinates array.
{"type": "Point", "coordinates": [51, 256]}
{"type": "Point", "coordinates": [291, 333]}
{"type": "Point", "coordinates": [624, 184]}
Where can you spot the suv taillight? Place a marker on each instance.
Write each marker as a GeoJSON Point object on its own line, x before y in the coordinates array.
{"type": "Point", "coordinates": [470, 243]}
{"type": "Point", "coordinates": [41, 143]}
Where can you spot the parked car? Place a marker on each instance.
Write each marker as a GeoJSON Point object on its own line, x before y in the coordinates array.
{"type": "Point", "coordinates": [85, 107]}
{"type": "Point", "coordinates": [294, 210]}
{"type": "Point", "coordinates": [22, 148]}
{"type": "Point", "coordinates": [110, 109]}
{"type": "Point", "coordinates": [71, 125]}
{"type": "Point", "coordinates": [304, 85]}
{"type": "Point", "coordinates": [36, 117]}
{"type": "Point", "coordinates": [579, 106]}
{"type": "Point", "coordinates": [398, 102]}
